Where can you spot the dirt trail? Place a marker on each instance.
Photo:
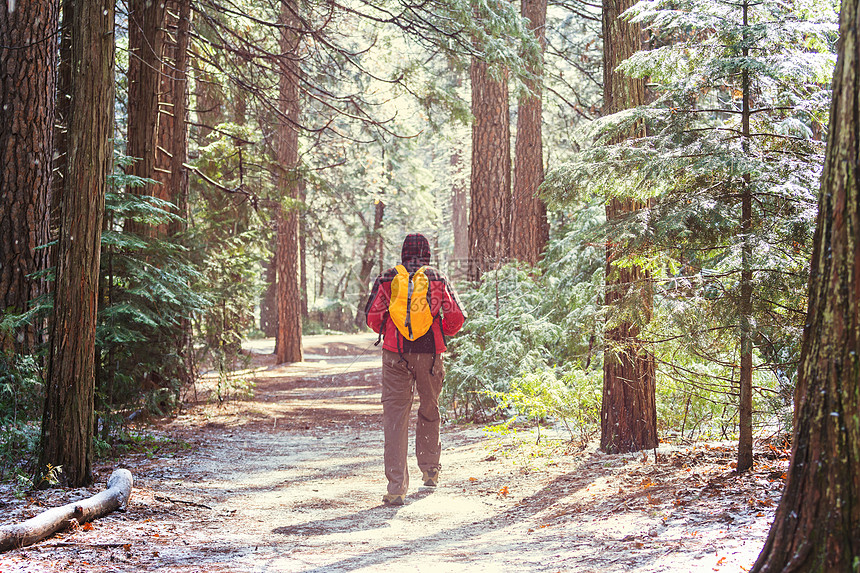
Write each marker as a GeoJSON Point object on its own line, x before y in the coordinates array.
{"type": "Point", "coordinates": [292, 479]}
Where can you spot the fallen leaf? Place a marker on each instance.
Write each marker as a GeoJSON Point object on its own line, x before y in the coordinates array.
{"type": "Point", "coordinates": [473, 479]}
{"type": "Point", "coordinates": [87, 526]}
{"type": "Point", "coordinates": [504, 491]}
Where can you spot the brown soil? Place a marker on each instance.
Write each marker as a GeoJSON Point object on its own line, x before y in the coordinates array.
{"type": "Point", "coordinates": [291, 480]}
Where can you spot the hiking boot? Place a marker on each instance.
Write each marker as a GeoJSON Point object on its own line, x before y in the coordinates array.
{"type": "Point", "coordinates": [392, 499]}
{"type": "Point", "coordinates": [431, 477]}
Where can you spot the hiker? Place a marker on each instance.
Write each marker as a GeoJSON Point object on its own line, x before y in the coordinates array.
{"type": "Point", "coordinates": [414, 308]}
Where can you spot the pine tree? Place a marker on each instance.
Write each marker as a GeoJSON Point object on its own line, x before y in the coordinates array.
{"type": "Point", "coordinates": [146, 26]}
{"type": "Point", "coordinates": [28, 64]}
{"type": "Point", "coordinates": [288, 343]}
{"type": "Point", "coordinates": [67, 424]}
{"type": "Point", "coordinates": [490, 203]}
{"type": "Point", "coordinates": [174, 111]}
{"type": "Point", "coordinates": [628, 417]}
{"type": "Point", "coordinates": [529, 227]}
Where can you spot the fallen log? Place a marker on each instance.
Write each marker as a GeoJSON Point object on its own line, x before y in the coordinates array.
{"type": "Point", "coordinates": [53, 520]}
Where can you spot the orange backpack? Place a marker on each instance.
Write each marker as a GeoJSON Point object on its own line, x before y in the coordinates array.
{"type": "Point", "coordinates": [409, 307]}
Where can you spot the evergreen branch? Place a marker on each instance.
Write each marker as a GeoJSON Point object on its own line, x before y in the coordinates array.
{"type": "Point", "coordinates": [782, 306]}
{"type": "Point", "coordinates": [221, 131]}
{"type": "Point", "coordinates": [235, 191]}
{"type": "Point", "coordinates": [570, 7]}
{"type": "Point", "coordinates": [684, 335]}
{"type": "Point", "coordinates": [735, 111]}
{"type": "Point", "coordinates": [739, 133]}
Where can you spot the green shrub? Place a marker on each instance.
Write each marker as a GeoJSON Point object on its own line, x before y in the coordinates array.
{"type": "Point", "coordinates": [21, 400]}
{"type": "Point", "coordinates": [525, 322]}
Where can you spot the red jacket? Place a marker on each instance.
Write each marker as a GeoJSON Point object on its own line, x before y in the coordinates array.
{"type": "Point", "coordinates": [443, 302]}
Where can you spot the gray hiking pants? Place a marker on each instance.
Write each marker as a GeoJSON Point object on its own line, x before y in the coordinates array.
{"type": "Point", "coordinates": [400, 379]}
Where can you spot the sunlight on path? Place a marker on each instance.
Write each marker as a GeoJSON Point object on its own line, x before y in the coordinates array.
{"type": "Point", "coordinates": [291, 480]}
{"type": "Point", "coordinates": [300, 485]}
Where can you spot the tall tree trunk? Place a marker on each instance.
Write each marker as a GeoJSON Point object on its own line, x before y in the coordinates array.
{"type": "Point", "coordinates": [288, 343]}
{"type": "Point", "coordinates": [145, 44]}
{"type": "Point", "coordinates": [368, 260]}
{"type": "Point", "coordinates": [459, 218]}
{"type": "Point", "coordinates": [67, 423]}
{"type": "Point", "coordinates": [529, 228]}
{"type": "Point", "coordinates": [817, 522]}
{"type": "Point", "coordinates": [303, 255]}
{"type": "Point", "coordinates": [28, 66]}
{"type": "Point", "coordinates": [628, 416]}
{"type": "Point", "coordinates": [459, 268]}
{"type": "Point", "coordinates": [61, 113]}
{"type": "Point", "coordinates": [323, 260]}
{"type": "Point", "coordinates": [179, 173]}
{"type": "Point", "coordinates": [172, 151]}
{"type": "Point", "coordinates": [490, 208]}
{"type": "Point", "coordinates": [269, 300]}
{"type": "Point", "coordinates": [745, 439]}
{"type": "Point", "coordinates": [178, 183]}
{"type": "Point", "coordinates": [166, 124]}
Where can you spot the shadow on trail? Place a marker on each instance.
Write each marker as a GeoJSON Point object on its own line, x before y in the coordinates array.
{"type": "Point", "coordinates": [354, 522]}
{"type": "Point", "coordinates": [460, 535]}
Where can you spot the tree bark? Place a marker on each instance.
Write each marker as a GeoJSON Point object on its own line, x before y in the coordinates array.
{"type": "Point", "coordinates": [145, 43]}
{"type": "Point", "coordinates": [28, 67]}
{"type": "Point", "coordinates": [178, 182]}
{"type": "Point", "coordinates": [490, 208]}
{"type": "Point", "coordinates": [61, 114]}
{"type": "Point", "coordinates": [745, 407]}
{"type": "Point", "coordinates": [459, 219]}
{"type": "Point", "coordinates": [817, 522]}
{"type": "Point", "coordinates": [529, 228]}
{"type": "Point", "coordinates": [303, 254]}
{"type": "Point", "coordinates": [459, 267]}
{"type": "Point", "coordinates": [288, 342]}
{"type": "Point", "coordinates": [67, 423]}
{"type": "Point", "coordinates": [173, 108]}
{"type": "Point", "coordinates": [269, 300]}
{"type": "Point", "coordinates": [49, 522]}
{"type": "Point", "coordinates": [628, 417]}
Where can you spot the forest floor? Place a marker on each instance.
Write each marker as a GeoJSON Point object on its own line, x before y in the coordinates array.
{"type": "Point", "coordinates": [290, 478]}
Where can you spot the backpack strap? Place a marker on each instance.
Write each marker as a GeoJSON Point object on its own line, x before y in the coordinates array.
{"type": "Point", "coordinates": [381, 329]}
